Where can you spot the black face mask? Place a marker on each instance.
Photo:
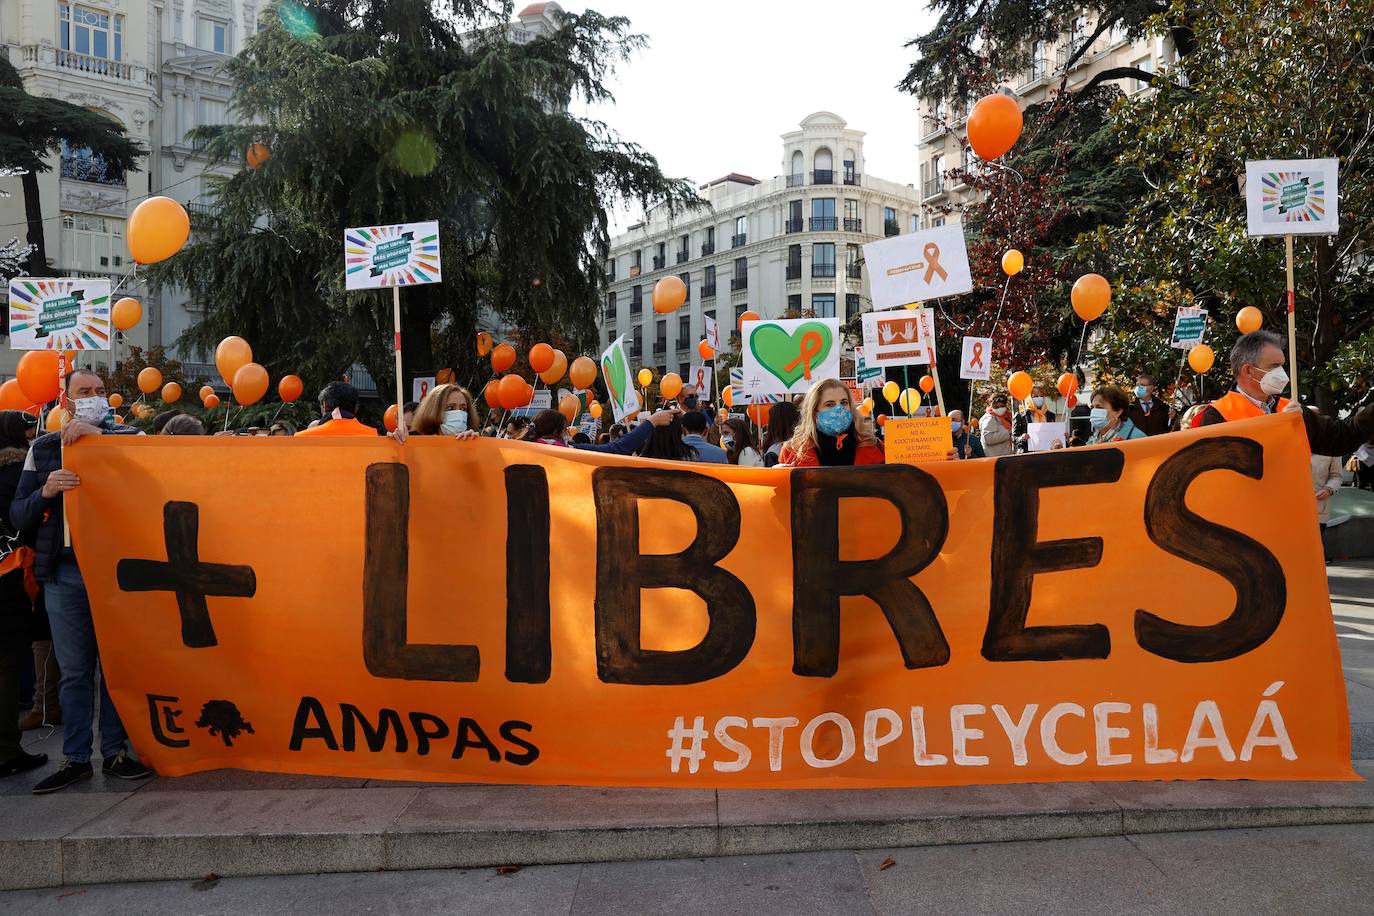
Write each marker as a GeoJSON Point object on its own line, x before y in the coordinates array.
{"type": "Point", "coordinates": [833, 452]}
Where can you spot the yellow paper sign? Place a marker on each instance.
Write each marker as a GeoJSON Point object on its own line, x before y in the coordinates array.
{"type": "Point", "coordinates": [917, 439]}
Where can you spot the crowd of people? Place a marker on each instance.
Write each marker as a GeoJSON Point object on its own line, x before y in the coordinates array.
{"type": "Point", "coordinates": [48, 655]}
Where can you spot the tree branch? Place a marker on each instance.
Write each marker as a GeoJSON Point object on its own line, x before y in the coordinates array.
{"type": "Point", "coordinates": [1102, 26]}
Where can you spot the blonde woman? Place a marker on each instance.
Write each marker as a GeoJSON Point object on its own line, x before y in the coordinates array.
{"type": "Point", "coordinates": [448, 410]}
{"type": "Point", "coordinates": [829, 432]}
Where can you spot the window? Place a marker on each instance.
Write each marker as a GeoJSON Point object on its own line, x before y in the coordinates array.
{"type": "Point", "coordinates": [708, 281]}
{"type": "Point", "coordinates": [212, 35]}
{"type": "Point", "coordinates": [825, 167]}
{"type": "Point", "coordinates": [823, 262]}
{"type": "Point", "coordinates": [638, 266]}
{"type": "Point", "coordinates": [683, 248]}
{"type": "Point", "coordinates": [794, 216]}
{"type": "Point", "coordinates": [823, 304]}
{"type": "Point", "coordinates": [890, 225]}
{"type": "Point", "coordinates": [610, 306]}
{"type": "Point", "coordinates": [684, 369]}
{"type": "Point", "coordinates": [937, 221]}
{"type": "Point", "coordinates": [851, 209]}
{"type": "Point", "coordinates": [637, 341]}
{"type": "Point", "coordinates": [684, 331]}
{"type": "Point", "coordinates": [739, 313]}
{"type": "Point", "coordinates": [83, 165]}
{"type": "Point", "coordinates": [92, 243]}
{"type": "Point", "coordinates": [823, 215]}
{"type": "Point", "coordinates": [1148, 65]}
{"type": "Point", "coordinates": [660, 337]}
{"type": "Point", "coordinates": [740, 280]}
{"type": "Point", "coordinates": [1040, 61]}
{"type": "Point", "coordinates": [794, 262]}
{"type": "Point", "coordinates": [610, 269]}
{"type": "Point", "coordinates": [851, 175]}
{"type": "Point", "coordinates": [851, 305]}
{"type": "Point", "coordinates": [741, 232]}
{"type": "Point", "coordinates": [915, 222]}
{"type": "Point", "coordinates": [91, 32]}
{"type": "Point", "coordinates": [636, 300]}
{"type": "Point", "coordinates": [661, 258]}
{"type": "Point", "coordinates": [852, 268]}
{"type": "Point", "coordinates": [610, 337]}
{"type": "Point", "coordinates": [794, 304]}
{"type": "Point", "coordinates": [687, 282]}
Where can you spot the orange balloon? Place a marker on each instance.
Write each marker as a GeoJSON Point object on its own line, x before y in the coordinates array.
{"type": "Point", "coordinates": [747, 316]}
{"type": "Point", "coordinates": [390, 419]}
{"type": "Point", "coordinates": [727, 394]}
{"type": "Point", "coordinates": [866, 408]}
{"type": "Point", "coordinates": [594, 408]}
{"type": "Point", "coordinates": [583, 374]}
{"type": "Point", "coordinates": [541, 358]}
{"type": "Point", "coordinates": [759, 413]}
{"type": "Point", "coordinates": [1091, 295]}
{"type": "Point", "coordinates": [491, 393]}
{"type": "Point", "coordinates": [569, 406]}
{"type": "Point", "coordinates": [211, 402]}
{"type": "Point", "coordinates": [37, 376]}
{"type": "Point", "coordinates": [1067, 384]}
{"type": "Point", "coordinates": [484, 343]}
{"type": "Point", "coordinates": [126, 313]}
{"type": "Point", "coordinates": [1072, 401]}
{"type": "Point", "coordinates": [257, 156]}
{"type": "Point", "coordinates": [205, 392]}
{"type": "Point", "coordinates": [12, 397]}
{"type": "Point", "coordinates": [289, 388]}
{"type": "Point", "coordinates": [157, 229]}
{"type": "Point", "coordinates": [994, 124]}
{"type": "Point", "coordinates": [556, 370]}
{"type": "Point", "coordinates": [1201, 358]}
{"type": "Point", "coordinates": [119, 419]}
{"type": "Point", "coordinates": [171, 393]}
{"type": "Point", "coordinates": [512, 390]}
{"type": "Point", "coordinates": [882, 419]}
{"type": "Point", "coordinates": [56, 420]}
{"type": "Point", "coordinates": [669, 294]}
{"type": "Point", "coordinates": [232, 354]}
{"type": "Point", "coordinates": [1248, 320]}
{"type": "Point", "coordinates": [705, 350]}
{"type": "Point", "coordinates": [502, 357]}
{"type": "Point", "coordinates": [149, 380]}
{"type": "Point", "coordinates": [116, 399]}
{"type": "Point", "coordinates": [927, 383]}
{"type": "Point", "coordinates": [670, 385]}
{"type": "Point", "coordinates": [1013, 262]}
{"type": "Point", "coordinates": [1019, 385]}
{"type": "Point", "coordinates": [250, 384]}
{"type": "Point", "coordinates": [444, 377]}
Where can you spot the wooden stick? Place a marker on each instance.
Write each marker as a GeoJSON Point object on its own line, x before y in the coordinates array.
{"type": "Point", "coordinates": [1292, 321]}
{"type": "Point", "coordinates": [400, 398]}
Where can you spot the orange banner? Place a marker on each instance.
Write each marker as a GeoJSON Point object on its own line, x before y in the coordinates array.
{"type": "Point", "coordinates": [496, 611]}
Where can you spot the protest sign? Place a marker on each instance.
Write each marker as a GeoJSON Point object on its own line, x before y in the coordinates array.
{"type": "Point", "coordinates": [698, 382]}
{"type": "Point", "coordinates": [1043, 437]}
{"type": "Point", "coordinates": [620, 384]}
{"type": "Point", "coordinates": [382, 256]}
{"type": "Point", "coordinates": [542, 400]}
{"type": "Point", "coordinates": [421, 386]}
{"type": "Point", "coordinates": [60, 313]}
{"type": "Point", "coordinates": [917, 440]}
{"type": "Point", "coordinates": [1190, 327]}
{"type": "Point", "coordinates": [712, 333]}
{"type": "Point", "coordinates": [741, 393]}
{"type": "Point", "coordinates": [1292, 197]}
{"type": "Point", "coordinates": [896, 338]}
{"type": "Point", "coordinates": [706, 645]}
{"type": "Point", "coordinates": [976, 360]}
{"type": "Point", "coordinates": [786, 356]}
{"type": "Point", "coordinates": [918, 266]}
{"type": "Point", "coordinates": [866, 375]}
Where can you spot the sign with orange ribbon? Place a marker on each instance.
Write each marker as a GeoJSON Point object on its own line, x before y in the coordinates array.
{"type": "Point", "coordinates": [976, 359]}
{"type": "Point", "coordinates": [918, 266]}
{"type": "Point", "coordinates": [789, 355]}
{"type": "Point", "coordinates": [290, 605]}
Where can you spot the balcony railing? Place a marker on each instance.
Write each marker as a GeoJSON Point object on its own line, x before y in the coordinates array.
{"type": "Point", "coordinates": [682, 341]}
{"type": "Point", "coordinates": [853, 225]}
{"type": "Point", "coordinates": [823, 270]}
{"type": "Point", "coordinates": [933, 187]}
{"type": "Point", "coordinates": [1039, 67]}
{"type": "Point", "coordinates": [636, 305]}
{"type": "Point", "coordinates": [660, 347]}
{"type": "Point", "coordinates": [708, 249]}
{"type": "Point", "coordinates": [794, 271]}
{"type": "Point", "coordinates": [682, 257]}
{"type": "Point", "coordinates": [95, 66]}
{"type": "Point", "coordinates": [738, 283]}
{"type": "Point", "coordinates": [824, 224]}
{"type": "Point", "coordinates": [851, 178]}
{"type": "Point", "coordinates": [93, 169]}
{"type": "Point", "coordinates": [738, 241]}
{"type": "Point", "coordinates": [890, 229]}
{"type": "Point", "coordinates": [708, 290]}
{"type": "Point", "coordinates": [792, 225]}
{"type": "Point", "coordinates": [854, 271]}
{"type": "Point", "coordinates": [201, 214]}
{"type": "Point", "coordinates": [796, 181]}
{"type": "Point", "coordinates": [659, 262]}
{"type": "Point", "coordinates": [823, 176]}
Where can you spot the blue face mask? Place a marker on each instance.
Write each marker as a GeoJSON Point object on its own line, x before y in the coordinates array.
{"type": "Point", "coordinates": [1098, 417]}
{"type": "Point", "coordinates": [455, 423]}
{"type": "Point", "coordinates": [1140, 392]}
{"type": "Point", "coordinates": [955, 426]}
{"type": "Point", "coordinates": [834, 420]}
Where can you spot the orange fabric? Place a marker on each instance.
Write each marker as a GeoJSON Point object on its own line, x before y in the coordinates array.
{"type": "Point", "coordinates": [485, 597]}
{"type": "Point", "coordinates": [1236, 406]}
{"type": "Point", "coordinates": [864, 454]}
{"type": "Point", "coordinates": [21, 558]}
{"type": "Point", "coordinates": [342, 427]}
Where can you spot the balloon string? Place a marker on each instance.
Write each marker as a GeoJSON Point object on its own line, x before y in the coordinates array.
{"type": "Point", "coordinates": [1078, 363]}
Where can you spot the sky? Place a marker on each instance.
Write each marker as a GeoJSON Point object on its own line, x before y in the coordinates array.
{"type": "Point", "coordinates": [721, 80]}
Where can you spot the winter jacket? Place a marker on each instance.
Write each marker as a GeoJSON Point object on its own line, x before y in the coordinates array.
{"type": "Point", "coordinates": [995, 435]}
{"type": "Point", "coordinates": [1327, 471]}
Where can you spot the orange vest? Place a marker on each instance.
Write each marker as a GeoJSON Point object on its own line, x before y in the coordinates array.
{"type": "Point", "coordinates": [1236, 406]}
{"type": "Point", "coordinates": [340, 428]}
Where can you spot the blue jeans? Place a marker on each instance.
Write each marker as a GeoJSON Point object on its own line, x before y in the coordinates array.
{"type": "Point", "coordinates": [73, 639]}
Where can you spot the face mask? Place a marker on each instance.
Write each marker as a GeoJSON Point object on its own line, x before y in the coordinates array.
{"type": "Point", "coordinates": [1098, 417]}
{"type": "Point", "coordinates": [1038, 402]}
{"type": "Point", "coordinates": [999, 410]}
{"type": "Point", "coordinates": [955, 426]}
{"type": "Point", "coordinates": [1141, 392]}
{"type": "Point", "coordinates": [94, 411]}
{"type": "Point", "coordinates": [455, 422]}
{"type": "Point", "coordinates": [834, 420]}
{"type": "Point", "coordinates": [1274, 381]}
{"type": "Point", "coordinates": [727, 443]}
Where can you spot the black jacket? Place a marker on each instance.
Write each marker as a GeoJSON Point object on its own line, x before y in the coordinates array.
{"type": "Point", "coordinates": [1325, 436]}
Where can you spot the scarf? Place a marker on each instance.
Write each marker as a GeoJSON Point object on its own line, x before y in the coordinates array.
{"type": "Point", "coordinates": [836, 451]}
{"type": "Point", "coordinates": [1034, 414]}
{"type": "Point", "coordinates": [1004, 419]}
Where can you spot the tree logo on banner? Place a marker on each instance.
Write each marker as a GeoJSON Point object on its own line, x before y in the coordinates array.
{"type": "Point", "coordinates": [792, 356]}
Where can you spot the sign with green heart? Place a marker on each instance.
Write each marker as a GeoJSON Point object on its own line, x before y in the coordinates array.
{"type": "Point", "coordinates": [615, 370]}
{"type": "Point", "coordinates": [788, 355]}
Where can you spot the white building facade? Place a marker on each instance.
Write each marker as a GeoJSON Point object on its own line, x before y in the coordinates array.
{"type": "Point", "coordinates": [789, 246]}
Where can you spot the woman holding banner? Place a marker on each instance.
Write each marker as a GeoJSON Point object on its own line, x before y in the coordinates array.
{"type": "Point", "coordinates": [447, 410]}
{"type": "Point", "coordinates": [828, 432]}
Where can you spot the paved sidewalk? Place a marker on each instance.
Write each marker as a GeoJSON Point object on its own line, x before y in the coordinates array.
{"type": "Point", "coordinates": [239, 823]}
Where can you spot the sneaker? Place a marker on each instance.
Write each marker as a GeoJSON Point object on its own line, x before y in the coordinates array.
{"type": "Point", "coordinates": [66, 774]}
{"type": "Point", "coordinates": [125, 767]}
{"type": "Point", "coordinates": [22, 764]}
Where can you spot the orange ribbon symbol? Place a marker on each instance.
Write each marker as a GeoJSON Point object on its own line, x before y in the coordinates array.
{"type": "Point", "coordinates": [977, 361]}
{"type": "Point", "coordinates": [932, 253]}
{"type": "Point", "coordinates": [811, 345]}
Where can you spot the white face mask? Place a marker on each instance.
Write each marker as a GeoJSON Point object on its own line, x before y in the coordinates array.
{"type": "Point", "coordinates": [455, 422]}
{"type": "Point", "coordinates": [999, 410]}
{"type": "Point", "coordinates": [1274, 381]}
{"type": "Point", "coordinates": [91, 410]}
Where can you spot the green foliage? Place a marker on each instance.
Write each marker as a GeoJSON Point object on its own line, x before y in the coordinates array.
{"type": "Point", "coordinates": [33, 127]}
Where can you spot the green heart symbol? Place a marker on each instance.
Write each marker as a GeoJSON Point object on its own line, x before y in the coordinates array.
{"type": "Point", "coordinates": [791, 356]}
{"type": "Point", "coordinates": [614, 371]}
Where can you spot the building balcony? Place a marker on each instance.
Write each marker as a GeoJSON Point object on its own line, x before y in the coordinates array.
{"type": "Point", "coordinates": [854, 271]}
{"type": "Point", "coordinates": [708, 249]}
{"type": "Point", "coordinates": [202, 214]}
{"type": "Point", "coordinates": [660, 347]}
{"type": "Point", "coordinates": [890, 229]}
{"type": "Point", "coordinates": [823, 176]}
{"type": "Point", "coordinates": [682, 257]}
{"type": "Point", "coordinates": [738, 283]}
{"type": "Point", "coordinates": [933, 187]}
{"type": "Point", "coordinates": [794, 271]}
{"type": "Point", "coordinates": [824, 224]}
{"type": "Point", "coordinates": [853, 225]}
{"type": "Point", "coordinates": [708, 291]}
{"type": "Point", "coordinates": [682, 344]}
{"type": "Point", "coordinates": [851, 179]}
{"type": "Point", "coordinates": [610, 316]}
{"type": "Point", "coordinates": [659, 262]}
{"type": "Point", "coordinates": [823, 270]}
{"type": "Point", "coordinates": [93, 169]}
{"type": "Point", "coordinates": [796, 181]}
{"type": "Point", "coordinates": [636, 305]}
{"type": "Point", "coordinates": [101, 68]}
{"type": "Point", "coordinates": [739, 241]}
{"type": "Point", "coordinates": [792, 225]}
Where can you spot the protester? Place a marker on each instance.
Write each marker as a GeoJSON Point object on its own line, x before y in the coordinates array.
{"type": "Point", "coordinates": [664, 440]}
{"type": "Point", "coordinates": [161, 420]}
{"type": "Point", "coordinates": [18, 614]}
{"type": "Point", "coordinates": [1150, 416]}
{"type": "Point", "coordinates": [447, 410]}
{"type": "Point", "coordinates": [581, 438]}
{"type": "Point", "coordinates": [782, 425]}
{"type": "Point", "coordinates": [548, 427]}
{"type": "Point", "coordinates": [964, 442]}
{"type": "Point", "coordinates": [1327, 477]}
{"type": "Point", "coordinates": [694, 426]}
{"type": "Point", "coordinates": [408, 413]}
{"type": "Point", "coordinates": [183, 425]}
{"type": "Point", "coordinates": [738, 442]}
{"type": "Point", "coordinates": [827, 434]}
{"type": "Point", "coordinates": [616, 431]}
{"type": "Point", "coordinates": [996, 428]}
{"type": "Point", "coordinates": [1108, 417]}
{"type": "Point", "coordinates": [1257, 362]}
{"type": "Point", "coordinates": [1034, 411]}
{"type": "Point", "coordinates": [38, 508]}
{"type": "Point", "coordinates": [282, 428]}
{"type": "Point", "coordinates": [517, 428]}
{"type": "Point", "coordinates": [338, 413]}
